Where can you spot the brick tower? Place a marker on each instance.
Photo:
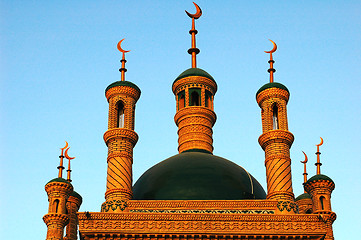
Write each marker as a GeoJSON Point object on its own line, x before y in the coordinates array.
{"type": "Point", "coordinates": [320, 188]}
{"type": "Point", "coordinates": [58, 191]}
{"type": "Point", "coordinates": [73, 205]}
{"type": "Point", "coordinates": [276, 140]}
{"type": "Point", "coordinates": [194, 90]}
{"type": "Point", "coordinates": [120, 139]}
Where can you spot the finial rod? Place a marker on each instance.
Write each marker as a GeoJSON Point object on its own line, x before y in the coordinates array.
{"type": "Point", "coordinates": [61, 167]}
{"type": "Point", "coordinates": [194, 50]}
{"type": "Point", "coordinates": [271, 70]}
{"type": "Point", "coordinates": [69, 169]}
{"type": "Point", "coordinates": [122, 70]}
{"type": "Point", "coordinates": [304, 169]}
{"type": "Point", "coordinates": [318, 153]}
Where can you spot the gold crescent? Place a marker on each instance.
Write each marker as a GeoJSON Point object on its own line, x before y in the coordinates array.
{"type": "Point", "coordinates": [67, 156]}
{"type": "Point", "coordinates": [120, 47]}
{"type": "Point", "coordinates": [197, 14]}
{"type": "Point", "coordinates": [306, 158]}
{"type": "Point", "coordinates": [274, 47]}
{"type": "Point", "coordinates": [320, 142]}
{"type": "Point", "coordinates": [66, 145]}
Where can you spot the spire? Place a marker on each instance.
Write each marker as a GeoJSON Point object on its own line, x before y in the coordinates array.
{"type": "Point", "coordinates": [318, 153]}
{"type": "Point", "coordinates": [122, 70]}
{"type": "Point", "coordinates": [61, 167]}
{"type": "Point", "coordinates": [194, 50]}
{"type": "Point", "coordinates": [69, 170]}
{"type": "Point", "coordinates": [304, 169]}
{"type": "Point", "coordinates": [271, 70]}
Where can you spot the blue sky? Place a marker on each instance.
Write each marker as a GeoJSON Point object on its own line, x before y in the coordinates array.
{"type": "Point", "coordinates": [57, 58]}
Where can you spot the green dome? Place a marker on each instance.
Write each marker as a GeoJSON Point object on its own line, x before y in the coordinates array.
{"type": "Point", "coordinates": [59, 180]}
{"type": "Point", "coordinates": [123, 83]}
{"type": "Point", "coordinates": [319, 177]}
{"type": "Point", "coordinates": [197, 176]}
{"type": "Point", "coordinates": [272, 85]}
{"type": "Point", "coordinates": [194, 72]}
{"type": "Point", "coordinates": [303, 196]}
{"type": "Point", "coordinates": [76, 195]}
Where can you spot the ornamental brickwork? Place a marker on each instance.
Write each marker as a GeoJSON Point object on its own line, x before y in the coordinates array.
{"type": "Point", "coordinates": [57, 217]}
{"type": "Point", "coordinates": [72, 206]}
{"type": "Point", "coordinates": [120, 140]}
{"type": "Point", "coordinates": [195, 122]}
{"type": "Point", "coordinates": [276, 141]}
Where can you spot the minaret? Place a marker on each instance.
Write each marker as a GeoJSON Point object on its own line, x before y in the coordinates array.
{"type": "Point", "coordinates": [58, 191]}
{"type": "Point", "coordinates": [120, 139]}
{"type": "Point", "coordinates": [276, 140]}
{"type": "Point", "coordinates": [194, 90]}
{"type": "Point", "coordinates": [304, 201]}
{"type": "Point", "coordinates": [320, 188]}
{"type": "Point", "coordinates": [73, 205]}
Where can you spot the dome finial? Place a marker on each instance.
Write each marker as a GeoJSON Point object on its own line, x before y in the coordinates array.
{"type": "Point", "coordinates": [318, 153]}
{"type": "Point", "coordinates": [271, 70]}
{"type": "Point", "coordinates": [304, 168]}
{"type": "Point", "coordinates": [122, 70]}
{"type": "Point", "coordinates": [69, 158]}
{"type": "Point", "coordinates": [194, 50]}
{"type": "Point", "coordinates": [61, 167]}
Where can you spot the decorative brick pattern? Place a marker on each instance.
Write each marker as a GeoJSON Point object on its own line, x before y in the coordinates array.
{"type": "Point", "coordinates": [120, 142]}
{"type": "Point", "coordinates": [72, 206]}
{"type": "Point", "coordinates": [276, 144]}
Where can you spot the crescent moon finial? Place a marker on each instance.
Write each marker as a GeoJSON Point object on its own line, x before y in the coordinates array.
{"type": "Point", "coordinates": [306, 158]}
{"type": "Point", "coordinates": [274, 47]}
{"type": "Point", "coordinates": [120, 47]}
{"type": "Point", "coordinates": [66, 154]}
{"type": "Point", "coordinates": [197, 14]}
{"type": "Point", "coordinates": [66, 145]}
{"type": "Point", "coordinates": [320, 142]}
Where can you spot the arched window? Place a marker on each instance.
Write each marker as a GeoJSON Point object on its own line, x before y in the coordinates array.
{"type": "Point", "coordinates": [275, 117]}
{"type": "Point", "coordinates": [309, 211]}
{"type": "Point", "coordinates": [120, 115]}
{"type": "Point", "coordinates": [322, 202]}
{"type": "Point", "coordinates": [181, 100]}
{"type": "Point", "coordinates": [194, 99]}
{"type": "Point", "coordinates": [56, 205]}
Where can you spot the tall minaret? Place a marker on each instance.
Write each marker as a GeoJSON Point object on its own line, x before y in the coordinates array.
{"type": "Point", "coordinates": [320, 188]}
{"type": "Point", "coordinates": [276, 140]}
{"type": "Point", "coordinates": [58, 191]}
{"type": "Point", "coordinates": [120, 139]}
{"type": "Point", "coordinates": [194, 90]}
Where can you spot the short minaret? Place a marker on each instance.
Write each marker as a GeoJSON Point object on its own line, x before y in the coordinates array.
{"type": "Point", "coordinates": [58, 191]}
{"type": "Point", "coordinates": [276, 140]}
{"type": "Point", "coordinates": [120, 139]}
{"type": "Point", "coordinates": [304, 201]}
{"type": "Point", "coordinates": [320, 188]}
{"type": "Point", "coordinates": [73, 205]}
{"type": "Point", "coordinates": [194, 90]}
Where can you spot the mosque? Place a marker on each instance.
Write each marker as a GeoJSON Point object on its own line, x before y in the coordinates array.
{"type": "Point", "coordinates": [194, 195]}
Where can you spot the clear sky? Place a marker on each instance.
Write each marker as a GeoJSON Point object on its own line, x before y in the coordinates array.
{"type": "Point", "coordinates": [57, 58]}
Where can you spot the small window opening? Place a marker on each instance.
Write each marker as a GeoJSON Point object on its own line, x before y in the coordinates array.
{"type": "Point", "coordinates": [181, 100]}
{"type": "Point", "coordinates": [275, 117]}
{"type": "Point", "coordinates": [120, 123]}
{"type": "Point", "coordinates": [56, 205]}
{"type": "Point", "coordinates": [208, 99]}
{"type": "Point", "coordinates": [195, 99]}
{"type": "Point", "coordinates": [322, 202]}
{"type": "Point", "coordinates": [309, 211]}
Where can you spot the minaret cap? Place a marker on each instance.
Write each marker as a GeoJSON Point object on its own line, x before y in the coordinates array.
{"type": "Point", "coordinates": [122, 70]}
